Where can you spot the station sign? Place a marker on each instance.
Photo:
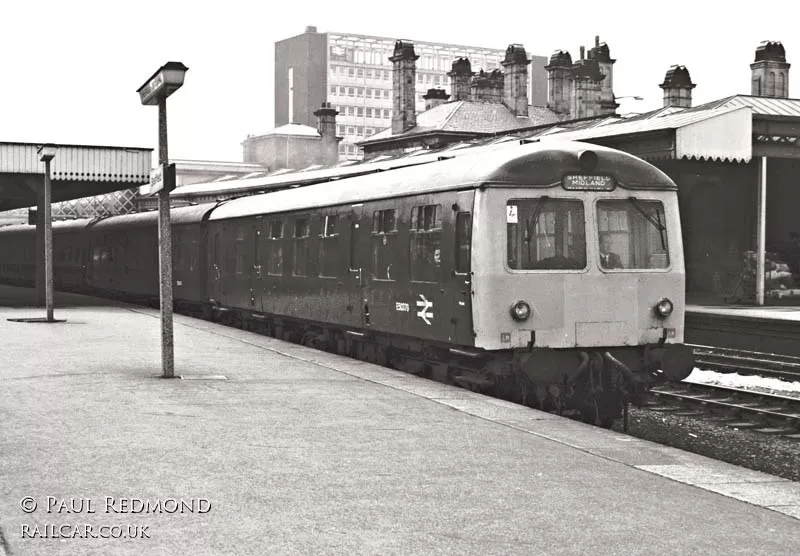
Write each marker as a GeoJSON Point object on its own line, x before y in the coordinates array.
{"type": "Point", "coordinates": [150, 91]}
{"type": "Point", "coordinates": [161, 178]}
{"type": "Point", "coordinates": [588, 183]}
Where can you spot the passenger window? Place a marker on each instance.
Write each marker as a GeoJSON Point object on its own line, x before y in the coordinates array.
{"type": "Point", "coordinates": [300, 248]}
{"type": "Point", "coordinates": [329, 246]}
{"type": "Point", "coordinates": [425, 243]}
{"type": "Point", "coordinates": [632, 234]}
{"type": "Point", "coordinates": [384, 232]}
{"type": "Point", "coordinates": [463, 242]}
{"type": "Point", "coordinates": [239, 250]}
{"type": "Point", "coordinates": [275, 266]}
{"type": "Point", "coordinates": [545, 234]}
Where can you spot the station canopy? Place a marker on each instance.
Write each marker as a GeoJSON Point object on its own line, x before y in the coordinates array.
{"type": "Point", "coordinates": [76, 171]}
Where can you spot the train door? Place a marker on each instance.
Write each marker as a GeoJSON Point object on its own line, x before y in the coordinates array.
{"type": "Point", "coordinates": [460, 279]}
{"type": "Point", "coordinates": [357, 307]}
{"type": "Point", "coordinates": [258, 271]}
{"type": "Point", "coordinates": [215, 270]}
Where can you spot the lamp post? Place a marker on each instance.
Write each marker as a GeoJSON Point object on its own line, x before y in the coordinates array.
{"type": "Point", "coordinates": [46, 154]}
{"type": "Point", "coordinates": [165, 81]}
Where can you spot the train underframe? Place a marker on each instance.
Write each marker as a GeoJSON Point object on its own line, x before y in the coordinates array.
{"type": "Point", "coordinates": [595, 385]}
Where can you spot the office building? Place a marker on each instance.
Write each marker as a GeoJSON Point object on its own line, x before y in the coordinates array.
{"type": "Point", "coordinates": [354, 74]}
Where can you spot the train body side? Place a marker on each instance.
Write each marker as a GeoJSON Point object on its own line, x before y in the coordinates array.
{"type": "Point", "coordinates": [367, 267]}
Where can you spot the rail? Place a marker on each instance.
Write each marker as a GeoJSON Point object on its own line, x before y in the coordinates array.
{"type": "Point", "coordinates": [746, 362]}
{"type": "Point", "coordinates": [744, 408]}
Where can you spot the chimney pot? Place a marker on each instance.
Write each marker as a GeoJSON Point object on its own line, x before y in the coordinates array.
{"type": "Point", "coordinates": [583, 51]}
{"type": "Point", "coordinates": [597, 40]}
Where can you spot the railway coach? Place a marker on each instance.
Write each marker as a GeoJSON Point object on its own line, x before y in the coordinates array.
{"type": "Point", "coordinates": [549, 273]}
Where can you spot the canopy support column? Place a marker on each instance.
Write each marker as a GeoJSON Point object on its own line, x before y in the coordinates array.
{"type": "Point", "coordinates": [761, 230]}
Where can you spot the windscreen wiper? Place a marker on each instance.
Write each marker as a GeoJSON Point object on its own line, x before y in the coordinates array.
{"type": "Point", "coordinates": [656, 223]}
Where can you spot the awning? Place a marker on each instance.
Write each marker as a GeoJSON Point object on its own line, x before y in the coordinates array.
{"type": "Point", "coordinates": [724, 134]}
{"type": "Point", "coordinates": [77, 171]}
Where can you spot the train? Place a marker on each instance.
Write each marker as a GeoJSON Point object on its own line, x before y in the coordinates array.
{"type": "Point", "coordinates": [549, 273]}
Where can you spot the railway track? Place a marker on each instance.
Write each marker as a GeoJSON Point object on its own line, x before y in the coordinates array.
{"type": "Point", "coordinates": [738, 408]}
{"type": "Point", "coordinates": [728, 360]}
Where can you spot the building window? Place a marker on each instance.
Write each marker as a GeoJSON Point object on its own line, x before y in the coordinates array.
{"type": "Point", "coordinates": [386, 93]}
{"type": "Point", "coordinates": [384, 232]}
{"type": "Point", "coordinates": [341, 91]}
{"type": "Point", "coordinates": [360, 112]}
{"type": "Point", "coordinates": [425, 244]}
{"type": "Point", "coordinates": [360, 130]}
{"type": "Point", "coordinates": [369, 131]}
{"type": "Point", "coordinates": [351, 72]}
{"type": "Point", "coordinates": [340, 129]}
{"type": "Point", "coordinates": [300, 248]}
{"type": "Point", "coordinates": [360, 92]}
{"type": "Point", "coordinates": [369, 72]}
{"type": "Point", "coordinates": [333, 89]}
{"type": "Point", "coordinates": [387, 113]}
{"type": "Point", "coordinates": [342, 148]}
{"type": "Point", "coordinates": [351, 91]}
{"type": "Point", "coordinates": [275, 264]}
{"type": "Point", "coordinates": [329, 246]}
{"type": "Point", "coordinates": [369, 112]}
{"type": "Point", "coordinates": [351, 111]}
{"type": "Point", "coordinates": [360, 72]}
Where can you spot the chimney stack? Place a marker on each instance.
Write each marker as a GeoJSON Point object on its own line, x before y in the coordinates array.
{"type": "Point", "coordinates": [677, 87]}
{"type": "Point", "coordinates": [326, 125]}
{"type": "Point", "coordinates": [559, 82]}
{"type": "Point", "coordinates": [600, 54]}
{"type": "Point", "coordinates": [515, 83]}
{"type": "Point", "coordinates": [487, 87]}
{"type": "Point", "coordinates": [404, 81]}
{"type": "Point", "coordinates": [435, 97]}
{"type": "Point", "coordinates": [770, 71]}
{"type": "Point", "coordinates": [460, 77]}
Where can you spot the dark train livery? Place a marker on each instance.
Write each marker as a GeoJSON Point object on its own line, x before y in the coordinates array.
{"type": "Point", "coordinates": [551, 273]}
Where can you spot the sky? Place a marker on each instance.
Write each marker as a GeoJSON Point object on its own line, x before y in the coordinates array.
{"type": "Point", "coordinates": [71, 68]}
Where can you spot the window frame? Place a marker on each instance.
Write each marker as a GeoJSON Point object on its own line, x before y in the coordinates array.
{"type": "Point", "coordinates": [597, 232]}
{"type": "Point", "coordinates": [548, 199]}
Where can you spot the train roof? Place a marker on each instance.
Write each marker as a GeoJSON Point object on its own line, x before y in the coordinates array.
{"type": "Point", "coordinates": [181, 215]}
{"type": "Point", "coordinates": [537, 165]}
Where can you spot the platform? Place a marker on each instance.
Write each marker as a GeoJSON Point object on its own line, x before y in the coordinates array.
{"type": "Point", "coordinates": [748, 311]}
{"type": "Point", "coordinates": [764, 329]}
{"type": "Point", "coordinates": [274, 448]}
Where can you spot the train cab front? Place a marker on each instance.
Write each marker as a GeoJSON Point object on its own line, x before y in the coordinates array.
{"type": "Point", "coordinates": [589, 290]}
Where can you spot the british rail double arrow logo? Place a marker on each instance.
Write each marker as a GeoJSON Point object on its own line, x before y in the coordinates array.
{"type": "Point", "coordinates": [424, 313]}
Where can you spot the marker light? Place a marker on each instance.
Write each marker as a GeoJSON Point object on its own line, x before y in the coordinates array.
{"type": "Point", "coordinates": [663, 308]}
{"type": "Point", "coordinates": [520, 310]}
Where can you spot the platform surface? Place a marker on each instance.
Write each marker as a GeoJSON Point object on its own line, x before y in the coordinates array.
{"type": "Point", "coordinates": [747, 311]}
{"type": "Point", "coordinates": [297, 451]}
